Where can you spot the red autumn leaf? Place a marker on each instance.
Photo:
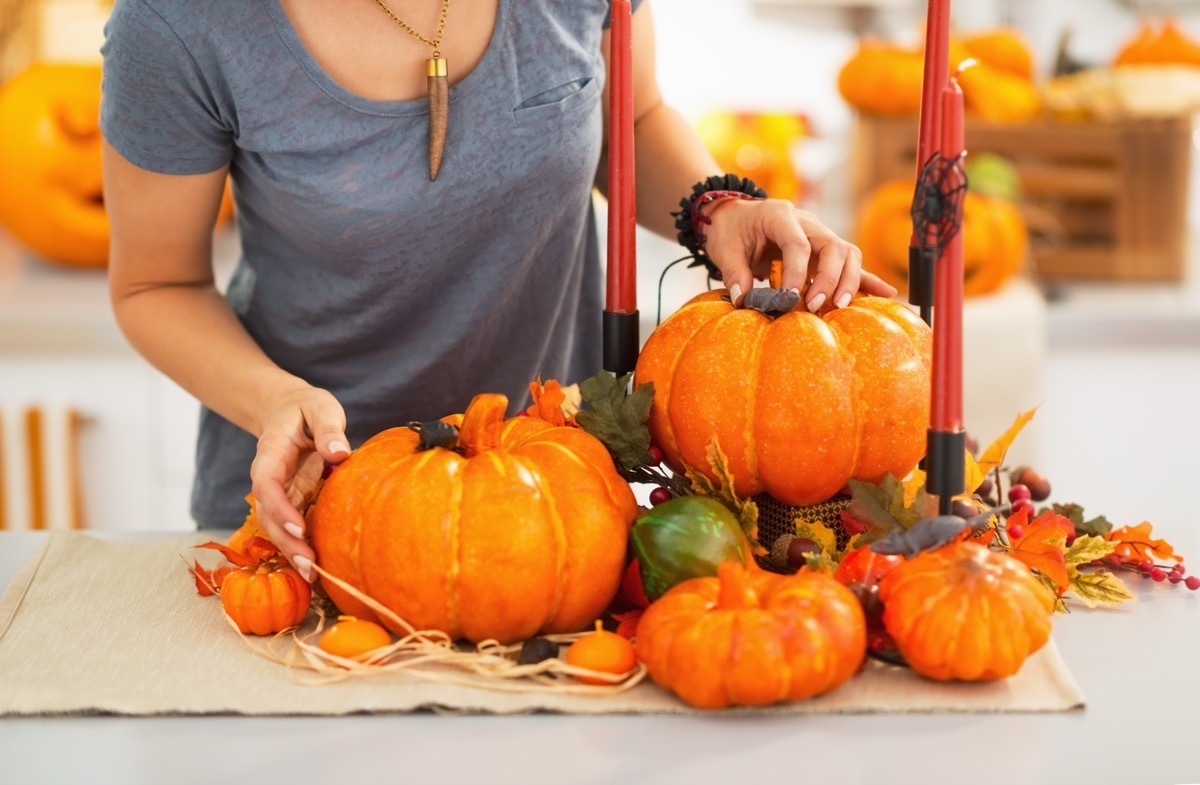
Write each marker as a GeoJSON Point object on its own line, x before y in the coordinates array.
{"type": "Point", "coordinates": [1135, 542]}
{"type": "Point", "coordinates": [260, 549]}
{"type": "Point", "coordinates": [208, 582]}
{"type": "Point", "coordinates": [236, 557]}
{"type": "Point", "coordinates": [1041, 545]}
{"type": "Point", "coordinates": [853, 525]}
{"type": "Point", "coordinates": [627, 622]}
{"type": "Point", "coordinates": [551, 403]}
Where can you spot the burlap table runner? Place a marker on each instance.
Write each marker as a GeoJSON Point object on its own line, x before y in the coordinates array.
{"type": "Point", "coordinates": [95, 626]}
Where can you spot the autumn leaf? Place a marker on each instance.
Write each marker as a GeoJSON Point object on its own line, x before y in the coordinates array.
{"type": "Point", "coordinates": [1051, 589]}
{"type": "Point", "coordinates": [883, 508]}
{"type": "Point", "coordinates": [1041, 545]}
{"type": "Point", "coordinates": [627, 622]}
{"type": "Point", "coordinates": [819, 561]}
{"type": "Point", "coordinates": [1096, 527]}
{"type": "Point", "coordinates": [822, 535]}
{"type": "Point", "coordinates": [554, 403]}
{"type": "Point", "coordinates": [723, 490]}
{"type": "Point", "coordinates": [618, 420]}
{"type": "Point", "coordinates": [1135, 542]}
{"type": "Point", "coordinates": [1087, 549]}
{"type": "Point", "coordinates": [973, 474]}
{"type": "Point", "coordinates": [913, 484]}
{"type": "Point", "coordinates": [993, 456]}
{"type": "Point", "coordinates": [1099, 588]}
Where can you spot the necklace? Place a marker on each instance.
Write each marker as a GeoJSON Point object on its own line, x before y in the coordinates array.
{"type": "Point", "coordinates": [438, 88]}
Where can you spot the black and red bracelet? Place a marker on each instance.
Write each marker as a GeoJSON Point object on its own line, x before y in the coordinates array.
{"type": "Point", "coordinates": [690, 218]}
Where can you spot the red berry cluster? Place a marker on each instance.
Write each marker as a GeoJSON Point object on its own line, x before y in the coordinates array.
{"type": "Point", "coordinates": [659, 494]}
{"type": "Point", "coordinates": [1155, 572]}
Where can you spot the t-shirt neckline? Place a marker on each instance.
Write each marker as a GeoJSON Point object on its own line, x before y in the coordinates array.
{"type": "Point", "coordinates": [416, 106]}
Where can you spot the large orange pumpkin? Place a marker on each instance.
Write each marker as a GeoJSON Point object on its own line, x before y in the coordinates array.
{"type": "Point", "coordinates": [749, 638]}
{"type": "Point", "coordinates": [52, 200]}
{"type": "Point", "coordinates": [518, 531]}
{"type": "Point", "coordinates": [798, 403]}
{"type": "Point", "coordinates": [965, 612]}
{"type": "Point", "coordinates": [995, 238]}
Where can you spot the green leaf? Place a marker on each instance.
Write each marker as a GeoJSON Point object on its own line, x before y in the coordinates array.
{"type": "Point", "coordinates": [618, 419]}
{"type": "Point", "coordinates": [1098, 588]}
{"type": "Point", "coordinates": [1087, 549]}
{"type": "Point", "coordinates": [882, 507]}
{"type": "Point", "coordinates": [1096, 527]}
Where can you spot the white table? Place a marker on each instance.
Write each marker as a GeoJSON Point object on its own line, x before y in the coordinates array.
{"type": "Point", "coordinates": [1137, 666]}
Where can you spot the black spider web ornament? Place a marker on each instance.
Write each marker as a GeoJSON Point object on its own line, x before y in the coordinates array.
{"type": "Point", "coordinates": [937, 205]}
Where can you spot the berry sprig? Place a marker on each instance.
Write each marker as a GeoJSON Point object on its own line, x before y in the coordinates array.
{"type": "Point", "coordinates": [1155, 572]}
{"type": "Point", "coordinates": [652, 472]}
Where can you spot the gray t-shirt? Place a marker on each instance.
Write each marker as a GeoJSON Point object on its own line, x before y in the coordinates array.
{"type": "Point", "coordinates": [401, 296]}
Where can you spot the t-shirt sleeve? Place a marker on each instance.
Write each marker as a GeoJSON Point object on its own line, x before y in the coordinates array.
{"type": "Point", "coordinates": [158, 108]}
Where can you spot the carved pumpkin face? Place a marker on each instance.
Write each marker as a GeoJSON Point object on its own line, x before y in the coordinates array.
{"type": "Point", "coordinates": [50, 155]}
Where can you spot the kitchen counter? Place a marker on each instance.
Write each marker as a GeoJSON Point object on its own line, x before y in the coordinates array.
{"type": "Point", "coordinates": [1136, 665]}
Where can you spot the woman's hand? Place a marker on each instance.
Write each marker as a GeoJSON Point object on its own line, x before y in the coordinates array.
{"type": "Point", "coordinates": [304, 427]}
{"type": "Point", "coordinates": [746, 236]}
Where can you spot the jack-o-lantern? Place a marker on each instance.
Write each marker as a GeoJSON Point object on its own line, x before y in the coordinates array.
{"type": "Point", "coordinates": [52, 200]}
{"type": "Point", "coordinates": [995, 238]}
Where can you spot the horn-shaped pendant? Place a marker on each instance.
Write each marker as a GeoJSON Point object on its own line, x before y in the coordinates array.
{"type": "Point", "coordinates": [439, 111]}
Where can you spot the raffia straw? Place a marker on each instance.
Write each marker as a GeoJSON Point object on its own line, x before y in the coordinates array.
{"type": "Point", "coordinates": [430, 655]}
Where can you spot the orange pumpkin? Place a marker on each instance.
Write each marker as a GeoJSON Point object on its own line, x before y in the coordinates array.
{"type": "Point", "coordinates": [52, 200]}
{"type": "Point", "coordinates": [995, 238]}
{"type": "Point", "coordinates": [965, 612]}
{"type": "Point", "coordinates": [1003, 48]}
{"type": "Point", "coordinates": [266, 598]}
{"type": "Point", "coordinates": [997, 95]}
{"type": "Point", "coordinates": [521, 530]}
{"type": "Point", "coordinates": [752, 638]}
{"type": "Point", "coordinates": [1166, 46]}
{"type": "Point", "coordinates": [882, 78]}
{"type": "Point", "coordinates": [798, 403]}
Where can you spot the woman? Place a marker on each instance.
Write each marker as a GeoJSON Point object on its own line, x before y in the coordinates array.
{"type": "Point", "coordinates": [369, 294]}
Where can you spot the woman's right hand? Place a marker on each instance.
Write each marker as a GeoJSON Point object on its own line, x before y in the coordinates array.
{"type": "Point", "coordinates": [303, 428]}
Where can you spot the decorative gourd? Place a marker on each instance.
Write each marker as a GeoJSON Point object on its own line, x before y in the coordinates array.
{"type": "Point", "coordinates": [686, 537]}
{"type": "Point", "coordinates": [353, 638]}
{"type": "Point", "coordinates": [965, 612]}
{"type": "Point", "coordinates": [752, 638]}
{"type": "Point", "coordinates": [798, 403]}
{"type": "Point", "coordinates": [997, 95]}
{"type": "Point", "coordinates": [882, 78]}
{"type": "Point", "coordinates": [519, 530]}
{"type": "Point", "coordinates": [995, 238]}
{"type": "Point", "coordinates": [1003, 48]}
{"type": "Point", "coordinates": [52, 199]}
{"type": "Point", "coordinates": [602, 651]}
{"type": "Point", "coordinates": [265, 599]}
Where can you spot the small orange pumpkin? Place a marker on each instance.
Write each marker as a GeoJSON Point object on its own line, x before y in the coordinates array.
{"type": "Point", "coordinates": [1166, 46]}
{"type": "Point", "coordinates": [882, 78]}
{"type": "Point", "coordinates": [965, 612]}
{"type": "Point", "coordinates": [1003, 48]}
{"type": "Point", "coordinates": [519, 530]}
{"type": "Point", "coordinates": [749, 638]}
{"type": "Point", "coordinates": [997, 95]}
{"type": "Point", "coordinates": [995, 238]}
{"type": "Point", "coordinates": [266, 598]}
{"type": "Point", "coordinates": [798, 403]}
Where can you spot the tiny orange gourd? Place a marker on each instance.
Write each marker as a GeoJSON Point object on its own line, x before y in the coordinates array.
{"type": "Point", "coordinates": [965, 612]}
{"type": "Point", "coordinates": [266, 598]}
{"type": "Point", "coordinates": [750, 638]}
{"type": "Point", "coordinates": [602, 651]}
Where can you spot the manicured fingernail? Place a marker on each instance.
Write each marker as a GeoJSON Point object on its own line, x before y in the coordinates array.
{"type": "Point", "coordinates": [844, 300]}
{"type": "Point", "coordinates": [815, 303]}
{"type": "Point", "coordinates": [294, 530]}
{"type": "Point", "coordinates": [338, 446]}
{"type": "Point", "coordinates": [303, 566]}
{"type": "Point", "coordinates": [794, 291]}
{"type": "Point", "coordinates": [735, 292]}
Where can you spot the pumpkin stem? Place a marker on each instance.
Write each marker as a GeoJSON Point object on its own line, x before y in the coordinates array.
{"type": "Point", "coordinates": [482, 423]}
{"type": "Point", "coordinates": [736, 592]}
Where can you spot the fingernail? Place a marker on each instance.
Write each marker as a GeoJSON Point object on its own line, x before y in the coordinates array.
{"type": "Point", "coordinates": [338, 446]}
{"type": "Point", "coordinates": [735, 292]}
{"type": "Point", "coordinates": [794, 291]}
{"type": "Point", "coordinates": [303, 566]}
{"type": "Point", "coordinates": [294, 530]}
{"type": "Point", "coordinates": [815, 303]}
{"type": "Point", "coordinates": [844, 300]}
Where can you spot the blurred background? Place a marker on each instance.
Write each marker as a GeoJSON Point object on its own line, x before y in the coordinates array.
{"type": "Point", "coordinates": [1080, 239]}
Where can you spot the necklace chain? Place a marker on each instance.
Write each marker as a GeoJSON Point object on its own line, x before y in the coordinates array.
{"type": "Point", "coordinates": [436, 43]}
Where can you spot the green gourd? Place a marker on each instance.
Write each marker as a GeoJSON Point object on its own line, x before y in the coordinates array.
{"type": "Point", "coordinates": [686, 537]}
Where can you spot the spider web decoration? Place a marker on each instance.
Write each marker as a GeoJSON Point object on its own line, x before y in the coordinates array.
{"type": "Point", "coordinates": [937, 206]}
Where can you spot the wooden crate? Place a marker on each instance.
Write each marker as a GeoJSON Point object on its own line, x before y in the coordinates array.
{"type": "Point", "coordinates": [1103, 200]}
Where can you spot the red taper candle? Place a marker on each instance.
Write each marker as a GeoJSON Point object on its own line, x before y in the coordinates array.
{"type": "Point", "coordinates": [937, 57]}
{"type": "Point", "coordinates": [622, 203]}
{"type": "Point", "coordinates": [946, 404]}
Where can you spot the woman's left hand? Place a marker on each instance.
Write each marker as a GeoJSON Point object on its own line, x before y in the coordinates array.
{"type": "Point", "coordinates": [746, 236]}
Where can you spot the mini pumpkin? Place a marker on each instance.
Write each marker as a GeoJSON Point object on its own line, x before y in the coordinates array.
{"type": "Point", "coordinates": [995, 238]}
{"type": "Point", "coordinates": [266, 598]}
{"type": "Point", "coordinates": [882, 78]}
{"type": "Point", "coordinates": [749, 638]}
{"type": "Point", "coordinates": [798, 403]}
{"type": "Point", "coordinates": [1003, 48]}
{"type": "Point", "coordinates": [519, 528]}
{"type": "Point", "coordinates": [965, 612]}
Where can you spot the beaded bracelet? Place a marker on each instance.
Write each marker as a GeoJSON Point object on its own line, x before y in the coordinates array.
{"type": "Point", "coordinates": [689, 219]}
